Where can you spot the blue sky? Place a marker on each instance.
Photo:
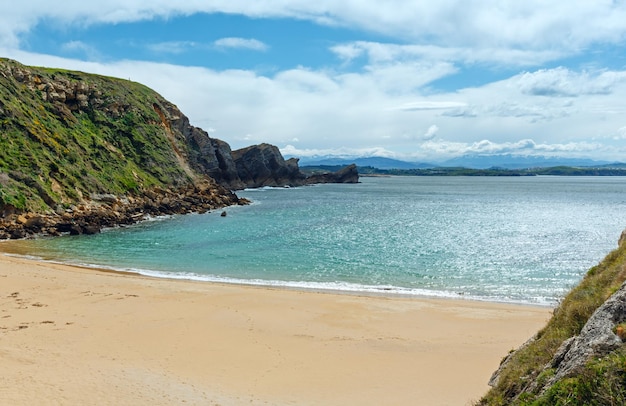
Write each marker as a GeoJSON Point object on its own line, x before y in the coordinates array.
{"type": "Point", "coordinates": [410, 80]}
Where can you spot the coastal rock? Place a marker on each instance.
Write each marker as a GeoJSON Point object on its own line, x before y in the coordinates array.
{"type": "Point", "coordinates": [253, 166]}
{"type": "Point", "coordinates": [348, 174]}
{"type": "Point", "coordinates": [91, 216]}
{"type": "Point", "coordinates": [596, 339]}
{"type": "Point", "coordinates": [264, 165]}
{"type": "Point", "coordinates": [622, 238]}
{"type": "Point", "coordinates": [206, 155]}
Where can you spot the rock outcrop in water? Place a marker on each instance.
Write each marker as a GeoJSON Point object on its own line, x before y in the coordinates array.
{"type": "Point", "coordinates": [348, 174]}
{"type": "Point", "coordinates": [68, 138]}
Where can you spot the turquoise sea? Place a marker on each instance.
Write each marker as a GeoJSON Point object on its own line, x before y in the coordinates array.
{"type": "Point", "coordinates": [514, 239]}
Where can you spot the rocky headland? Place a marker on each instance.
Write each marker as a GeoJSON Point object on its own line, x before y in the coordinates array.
{"type": "Point", "coordinates": [79, 152]}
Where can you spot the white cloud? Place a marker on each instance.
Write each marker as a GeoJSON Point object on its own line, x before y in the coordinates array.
{"type": "Point", "coordinates": [534, 25]}
{"type": "Point", "coordinates": [179, 47]}
{"type": "Point", "coordinates": [431, 132]}
{"type": "Point", "coordinates": [365, 106]}
{"type": "Point", "coordinates": [381, 53]}
{"type": "Point", "coordinates": [562, 82]}
{"type": "Point", "coordinates": [290, 150]}
{"type": "Point", "coordinates": [240, 43]}
{"type": "Point", "coordinates": [441, 150]}
{"type": "Point", "coordinates": [525, 147]}
{"type": "Point", "coordinates": [430, 105]}
{"type": "Point", "coordinates": [407, 77]}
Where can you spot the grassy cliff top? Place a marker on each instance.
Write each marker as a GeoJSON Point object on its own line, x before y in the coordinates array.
{"type": "Point", "coordinates": [65, 135]}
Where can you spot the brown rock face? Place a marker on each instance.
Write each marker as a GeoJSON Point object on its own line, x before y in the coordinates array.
{"type": "Point", "coordinates": [253, 166]}
{"type": "Point", "coordinates": [264, 165]}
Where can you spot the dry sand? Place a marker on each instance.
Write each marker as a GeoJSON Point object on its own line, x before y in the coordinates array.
{"type": "Point", "coordinates": [72, 336]}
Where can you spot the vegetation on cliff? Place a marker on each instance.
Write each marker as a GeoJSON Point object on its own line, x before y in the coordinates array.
{"type": "Point", "coordinates": [79, 152]}
{"type": "Point", "coordinates": [531, 374]}
{"type": "Point", "coordinates": [65, 135]}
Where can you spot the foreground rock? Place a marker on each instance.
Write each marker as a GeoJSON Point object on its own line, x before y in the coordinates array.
{"type": "Point", "coordinates": [597, 339]}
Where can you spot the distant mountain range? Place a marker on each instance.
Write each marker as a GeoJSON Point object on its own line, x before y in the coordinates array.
{"type": "Point", "coordinates": [467, 161]}
{"type": "Point", "coordinates": [375, 162]}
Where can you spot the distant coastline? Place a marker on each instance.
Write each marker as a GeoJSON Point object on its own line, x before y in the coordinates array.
{"type": "Point", "coordinates": [462, 171]}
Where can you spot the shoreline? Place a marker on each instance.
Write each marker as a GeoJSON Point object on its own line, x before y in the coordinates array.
{"type": "Point", "coordinates": [381, 293]}
{"type": "Point", "coordinates": [76, 334]}
{"type": "Point", "coordinates": [356, 290]}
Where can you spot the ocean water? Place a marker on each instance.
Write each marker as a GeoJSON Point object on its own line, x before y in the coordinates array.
{"type": "Point", "coordinates": [514, 239]}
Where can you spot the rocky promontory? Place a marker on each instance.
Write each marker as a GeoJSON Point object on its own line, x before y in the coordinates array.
{"type": "Point", "coordinates": [80, 151]}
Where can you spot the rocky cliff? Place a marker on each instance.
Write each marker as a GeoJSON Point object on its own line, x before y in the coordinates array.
{"type": "Point", "coordinates": [263, 165]}
{"type": "Point", "coordinates": [69, 138]}
{"type": "Point", "coordinates": [579, 358]}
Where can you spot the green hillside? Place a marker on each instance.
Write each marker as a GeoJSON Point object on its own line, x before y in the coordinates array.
{"type": "Point", "coordinates": [65, 135]}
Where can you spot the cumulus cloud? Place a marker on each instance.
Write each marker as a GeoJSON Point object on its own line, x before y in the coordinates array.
{"type": "Point", "coordinates": [525, 147]}
{"type": "Point", "coordinates": [532, 25]}
{"type": "Point", "coordinates": [438, 151]}
{"type": "Point", "coordinates": [562, 82]}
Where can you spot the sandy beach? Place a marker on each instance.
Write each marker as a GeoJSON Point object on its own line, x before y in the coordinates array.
{"type": "Point", "coordinates": [72, 336]}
